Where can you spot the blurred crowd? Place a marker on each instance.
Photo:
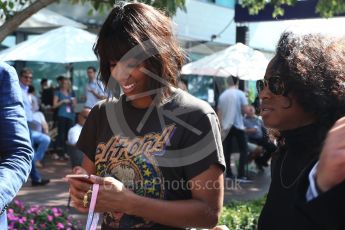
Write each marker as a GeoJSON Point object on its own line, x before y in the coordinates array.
{"type": "Point", "coordinates": [55, 119]}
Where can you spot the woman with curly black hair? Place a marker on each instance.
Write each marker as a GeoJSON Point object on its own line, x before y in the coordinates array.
{"type": "Point", "coordinates": [303, 101]}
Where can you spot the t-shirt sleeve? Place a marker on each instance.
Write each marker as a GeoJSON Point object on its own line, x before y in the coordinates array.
{"type": "Point", "coordinates": [87, 142]}
{"type": "Point", "coordinates": [42, 118]}
{"type": "Point", "coordinates": [209, 146]}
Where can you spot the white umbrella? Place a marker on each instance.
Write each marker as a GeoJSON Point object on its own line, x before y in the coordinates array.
{"type": "Point", "coordinates": [237, 60]}
{"type": "Point", "coordinates": [63, 45]}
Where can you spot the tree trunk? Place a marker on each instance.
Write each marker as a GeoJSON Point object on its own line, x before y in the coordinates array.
{"type": "Point", "coordinates": [14, 22]}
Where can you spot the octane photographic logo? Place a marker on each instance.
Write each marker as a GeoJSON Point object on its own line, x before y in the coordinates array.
{"type": "Point", "coordinates": [118, 124]}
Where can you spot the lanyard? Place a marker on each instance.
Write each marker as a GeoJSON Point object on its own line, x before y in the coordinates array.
{"type": "Point", "coordinates": [92, 217]}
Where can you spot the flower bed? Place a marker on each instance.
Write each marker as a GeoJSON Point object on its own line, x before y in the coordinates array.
{"type": "Point", "coordinates": [30, 217]}
{"type": "Point", "coordinates": [242, 215]}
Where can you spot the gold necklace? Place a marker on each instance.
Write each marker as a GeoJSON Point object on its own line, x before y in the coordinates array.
{"type": "Point", "coordinates": [296, 179]}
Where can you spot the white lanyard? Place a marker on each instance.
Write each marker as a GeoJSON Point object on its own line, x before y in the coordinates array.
{"type": "Point", "coordinates": [92, 217]}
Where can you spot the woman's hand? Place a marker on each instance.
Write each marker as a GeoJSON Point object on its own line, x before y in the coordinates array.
{"type": "Point", "coordinates": [112, 195]}
{"type": "Point", "coordinates": [68, 101]}
{"type": "Point", "coordinates": [78, 189]}
{"type": "Point", "coordinates": [331, 168]}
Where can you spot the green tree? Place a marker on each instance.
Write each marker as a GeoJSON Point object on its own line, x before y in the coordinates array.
{"type": "Point", "coordinates": [326, 8]}
{"type": "Point", "coordinates": [15, 12]}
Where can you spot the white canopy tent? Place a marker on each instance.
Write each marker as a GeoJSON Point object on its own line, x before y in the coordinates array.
{"type": "Point", "coordinates": [237, 60]}
{"type": "Point", "coordinates": [63, 45]}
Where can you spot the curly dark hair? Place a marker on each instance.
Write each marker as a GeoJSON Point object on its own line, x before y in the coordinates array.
{"type": "Point", "coordinates": [139, 26]}
{"type": "Point", "coordinates": [312, 66]}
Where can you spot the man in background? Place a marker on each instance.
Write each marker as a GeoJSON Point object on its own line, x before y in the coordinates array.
{"type": "Point", "coordinates": [25, 80]}
{"type": "Point", "coordinates": [47, 93]}
{"type": "Point", "coordinates": [231, 107]}
{"type": "Point", "coordinates": [257, 134]}
{"type": "Point", "coordinates": [94, 90]}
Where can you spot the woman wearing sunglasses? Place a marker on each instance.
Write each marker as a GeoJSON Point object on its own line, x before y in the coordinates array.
{"type": "Point", "coordinates": [303, 102]}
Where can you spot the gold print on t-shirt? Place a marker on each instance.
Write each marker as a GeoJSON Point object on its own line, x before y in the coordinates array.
{"type": "Point", "coordinates": [119, 147]}
{"type": "Point", "coordinates": [132, 161]}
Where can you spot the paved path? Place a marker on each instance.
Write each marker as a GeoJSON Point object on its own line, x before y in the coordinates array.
{"type": "Point", "coordinates": [56, 192]}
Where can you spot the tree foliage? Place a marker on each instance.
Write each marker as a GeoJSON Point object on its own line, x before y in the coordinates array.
{"type": "Point", "coordinates": [15, 12]}
{"type": "Point", "coordinates": [168, 6]}
{"type": "Point", "coordinates": [326, 8]}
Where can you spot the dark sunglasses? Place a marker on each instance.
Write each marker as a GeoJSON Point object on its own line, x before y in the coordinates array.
{"type": "Point", "coordinates": [275, 85]}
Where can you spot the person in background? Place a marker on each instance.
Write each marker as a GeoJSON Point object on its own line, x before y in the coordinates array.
{"type": "Point", "coordinates": [64, 101]}
{"type": "Point", "coordinates": [16, 152]}
{"type": "Point", "coordinates": [257, 134]}
{"type": "Point", "coordinates": [25, 80]}
{"type": "Point", "coordinates": [47, 93]}
{"type": "Point", "coordinates": [73, 135]}
{"type": "Point", "coordinates": [254, 151]}
{"type": "Point", "coordinates": [38, 116]}
{"type": "Point", "coordinates": [39, 129]}
{"type": "Point", "coordinates": [152, 122]}
{"type": "Point", "coordinates": [303, 101]}
{"type": "Point", "coordinates": [256, 104]}
{"type": "Point", "coordinates": [94, 90]}
{"type": "Point", "coordinates": [232, 104]}
{"type": "Point", "coordinates": [59, 80]}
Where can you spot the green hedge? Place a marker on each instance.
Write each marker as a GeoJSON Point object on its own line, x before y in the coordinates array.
{"type": "Point", "coordinates": [242, 215]}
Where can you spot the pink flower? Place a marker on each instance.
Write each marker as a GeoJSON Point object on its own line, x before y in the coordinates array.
{"type": "Point", "coordinates": [33, 210]}
{"type": "Point", "coordinates": [60, 226]}
{"type": "Point", "coordinates": [10, 211]}
{"type": "Point", "coordinates": [21, 220]}
{"type": "Point", "coordinates": [50, 218]}
{"type": "Point", "coordinates": [56, 214]}
{"type": "Point", "coordinates": [17, 202]}
{"type": "Point", "coordinates": [12, 217]}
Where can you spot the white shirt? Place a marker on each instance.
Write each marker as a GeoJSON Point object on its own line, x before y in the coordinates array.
{"type": "Point", "coordinates": [230, 105]}
{"type": "Point", "coordinates": [38, 120]}
{"type": "Point", "coordinates": [91, 99]}
{"type": "Point", "coordinates": [312, 192]}
{"type": "Point", "coordinates": [73, 134]}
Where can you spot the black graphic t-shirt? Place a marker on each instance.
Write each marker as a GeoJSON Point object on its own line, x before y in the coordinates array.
{"type": "Point", "coordinates": [153, 151]}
